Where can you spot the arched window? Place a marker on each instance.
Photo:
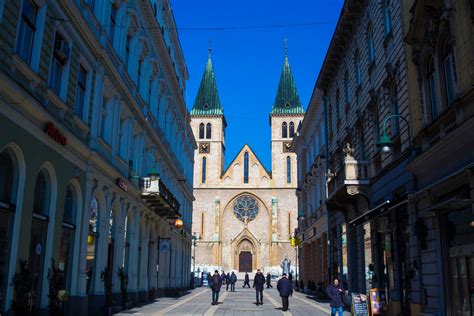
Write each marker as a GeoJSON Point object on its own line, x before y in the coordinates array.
{"type": "Point", "coordinates": [284, 130]}
{"type": "Point", "coordinates": [208, 131]}
{"type": "Point", "coordinates": [357, 68]}
{"type": "Point", "coordinates": [203, 171]}
{"type": "Point", "coordinates": [288, 169]}
{"type": "Point", "coordinates": [292, 129]}
{"type": "Point", "coordinates": [370, 43]}
{"type": "Point", "coordinates": [246, 167]}
{"type": "Point", "coordinates": [67, 233]}
{"type": "Point", "coordinates": [387, 19]}
{"type": "Point", "coordinates": [6, 176]}
{"type": "Point", "coordinates": [111, 242]}
{"type": "Point", "coordinates": [42, 194]}
{"type": "Point", "coordinates": [92, 241]}
{"type": "Point", "coordinates": [432, 90]}
{"type": "Point", "coordinates": [201, 131]}
{"type": "Point", "coordinates": [449, 69]}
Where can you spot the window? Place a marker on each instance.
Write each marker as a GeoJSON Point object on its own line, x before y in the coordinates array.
{"type": "Point", "coordinates": [27, 30]}
{"type": "Point", "coordinates": [113, 16]}
{"type": "Point", "coordinates": [292, 129]}
{"type": "Point", "coordinates": [6, 176]}
{"type": "Point", "coordinates": [246, 208]}
{"type": "Point", "coordinates": [80, 91]}
{"type": "Point", "coordinates": [357, 68]}
{"type": "Point", "coordinates": [284, 130]}
{"type": "Point", "coordinates": [208, 131]}
{"type": "Point", "coordinates": [203, 171]}
{"type": "Point", "coordinates": [387, 19]}
{"type": "Point", "coordinates": [449, 69]}
{"type": "Point", "coordinates": [246, 167]}
{"type": "Point", "coordinates": [431, 76]}
{"type": "Point", "coordinates": [42, 194]}
{"type": "Point", "coordinates": [370, 43]}
{"type": "Point", "coordinates": [92, 241]}
{"type": "Point", "coordinates": [288, 169]}
{"type": "Point", "coordinates": [58, 64]}
{"type": "Point", "coordinates": [201, 131]}
{"type": "Point", "coordinates": [67, 234]}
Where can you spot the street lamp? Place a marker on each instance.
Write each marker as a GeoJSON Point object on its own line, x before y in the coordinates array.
{"type": "Point", "coordinates": [152, 173]}
{"type": "Point", "coordinates": [385, 143]}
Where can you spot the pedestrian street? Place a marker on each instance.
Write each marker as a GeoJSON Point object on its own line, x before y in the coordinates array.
{"type": "Point", "coordinates": [240, 302]}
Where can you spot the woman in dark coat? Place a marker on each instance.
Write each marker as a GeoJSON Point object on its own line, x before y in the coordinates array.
{"type": "Point", "coordinates": [336, 294]}
{"type": "Point", "coordinates": [216, 283]}
{"type": "Point", "coordinates": [269, 281]}
{"type": "Point", "coordinates": [246, 280]}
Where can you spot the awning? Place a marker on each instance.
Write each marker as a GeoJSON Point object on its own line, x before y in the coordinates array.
{"type": "Point", "coordinates": [372, 213]}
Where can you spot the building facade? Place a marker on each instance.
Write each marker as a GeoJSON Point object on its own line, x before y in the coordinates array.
{"type": "Point", "coordinates": [91, 101]}
{"type": "Point", "coordinates": [310, 147]}
{"type": "Point", "coordinates": [441, 81]}
{"type": "Point", "coordinates": [244, 215]}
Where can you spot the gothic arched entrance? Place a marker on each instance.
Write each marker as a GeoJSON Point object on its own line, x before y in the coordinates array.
{"type": "Point", "coordinates": [245, 251]}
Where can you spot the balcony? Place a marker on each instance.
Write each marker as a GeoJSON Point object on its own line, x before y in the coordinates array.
{"type": "Point", "coordinates": [348, 180]}
{"type": "Point", "coordinates": [158, 197]}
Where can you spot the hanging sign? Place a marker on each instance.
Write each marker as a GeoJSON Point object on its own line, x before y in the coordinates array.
{"type": "Point", "coordinates": [164, 245]}
{"type": "Point", "coordinates": [55, 134]}
{"type": "Point", "coordinates": [359, 305]}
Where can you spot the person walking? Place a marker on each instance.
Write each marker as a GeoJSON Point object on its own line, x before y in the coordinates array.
{"type": "Point", "coordinates": [336, 294]}
{"type": "Point", "coordinates": [269, 281]}
{"type": "Point", "coordinates": [208, 277]}
{"type": "Point", "coordinates": [233, 279]}
{"type": "Point", "coordinates": [227, 281]}
{"type": "Point", "coordinates": [285, 288]}
{"type": "Point", "coordinates": [290, 277]}
{"type": "Point", "coordinates": [246, 280]}
{"type": "Point", "coordinates": [258, 282]}
{"type": "Point", "coordinates": [216, 283]}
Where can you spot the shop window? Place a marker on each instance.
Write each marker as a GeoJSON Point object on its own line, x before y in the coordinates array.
{"type": "Point", "coordinates": [67, 234]}
{"type": "Point", "coordinates": [92, 241]}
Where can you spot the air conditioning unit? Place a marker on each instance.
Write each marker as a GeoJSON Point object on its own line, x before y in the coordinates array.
{"type": "Point", "coordinates": [61, 51]}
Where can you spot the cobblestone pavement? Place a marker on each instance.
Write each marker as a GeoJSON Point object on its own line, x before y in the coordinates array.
{"type": "Point", "coordinates": [240, 302]}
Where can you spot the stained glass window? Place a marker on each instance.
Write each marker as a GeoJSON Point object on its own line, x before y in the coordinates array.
{"type": "Point", "coordinates": [246, 208]}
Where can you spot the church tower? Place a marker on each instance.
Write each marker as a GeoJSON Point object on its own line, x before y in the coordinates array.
{"type": "Point", "coordinates": [285, 117]}
{"type": "Point", "coordinates": [208, 124]}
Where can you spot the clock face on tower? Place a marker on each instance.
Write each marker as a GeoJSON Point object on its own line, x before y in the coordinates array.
{"type": "Point", "coordinates": [204, 148]}
{"type": "Point", "coordinates": [286, 147]}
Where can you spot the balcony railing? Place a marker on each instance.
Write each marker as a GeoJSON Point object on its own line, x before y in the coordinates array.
{"type": "Point", "coordinates": [158, 197]}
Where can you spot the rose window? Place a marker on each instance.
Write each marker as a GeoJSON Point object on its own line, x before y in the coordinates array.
{"type": "Point", "coordinates": [246, 208]}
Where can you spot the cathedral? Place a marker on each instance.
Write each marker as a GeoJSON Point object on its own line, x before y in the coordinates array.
{"type": "Point", "coordinates": [245, 215]}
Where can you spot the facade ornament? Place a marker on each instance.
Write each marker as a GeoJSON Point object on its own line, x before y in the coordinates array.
{"type": "Point", "coordinates": [348, 150]}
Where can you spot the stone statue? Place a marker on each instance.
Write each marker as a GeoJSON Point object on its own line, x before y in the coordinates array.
{"type": "Point", "coordinates": [285, 265]}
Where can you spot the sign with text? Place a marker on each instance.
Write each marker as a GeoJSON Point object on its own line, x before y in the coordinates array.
{"type": "Point", "coordinates": [55, 134]}
{"type": "Point", "coordinates": [359, 305]}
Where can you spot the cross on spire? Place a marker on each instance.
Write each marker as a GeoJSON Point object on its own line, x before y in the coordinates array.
{"type": "Point", "coordinates": [285, 46]}
{"type": "Point", "coordinates": [209, 49]}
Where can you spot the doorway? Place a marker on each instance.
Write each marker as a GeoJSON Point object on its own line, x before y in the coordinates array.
{"type": "Point", "coordinates": [245, 261]}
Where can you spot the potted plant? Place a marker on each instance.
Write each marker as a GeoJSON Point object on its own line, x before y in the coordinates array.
{"type": "Point", "coordinates": [123, 275]}
{"type": "Point", "coordinates": [57, 295]}
{"type": "Point", "coordinates": [106, 277]}
{"type": "Point", "coordinates": [24, 298]}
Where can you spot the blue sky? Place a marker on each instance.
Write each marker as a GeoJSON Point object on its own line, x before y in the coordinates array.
{"type": "Point", "coordinates": [248, 62]}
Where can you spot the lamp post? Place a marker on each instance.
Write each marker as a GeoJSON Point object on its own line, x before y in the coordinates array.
{"type": "Point", "coordinates": [195, 238]}
{"type": "Point", "coordinates": [385, 142]}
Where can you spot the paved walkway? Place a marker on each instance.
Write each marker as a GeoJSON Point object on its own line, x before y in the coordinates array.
{"type": "Point", "coordinates": [240, 302]}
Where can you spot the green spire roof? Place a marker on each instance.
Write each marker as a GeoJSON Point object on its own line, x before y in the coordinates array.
{"type": "Point", "coordinates": [207, 100]}
{"type": "Point", "coordinates": [287, 100]}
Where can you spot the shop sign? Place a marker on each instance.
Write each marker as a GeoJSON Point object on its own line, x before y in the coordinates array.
{"type": "Point", "coordinates": [55, 134]}
{"type": "Point", "coordinates": [4, 205]}
{"type": "Point", "coordinates": [121, 184]}
{"type": "Point", "coordinates": [164, 245]}
{"type": "Point", "coordinates": [359, 305]}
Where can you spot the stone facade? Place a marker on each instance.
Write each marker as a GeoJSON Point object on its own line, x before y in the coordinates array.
{"type": "Point", "coordinates": [223, 238]}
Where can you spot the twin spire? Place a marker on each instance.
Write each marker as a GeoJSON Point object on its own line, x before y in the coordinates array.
{"type": "Point", "coordinates": [287, 100]}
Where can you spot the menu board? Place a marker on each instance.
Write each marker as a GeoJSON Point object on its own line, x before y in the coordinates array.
{"type": "Point", "coordinates": [376, 299]}
{"type": "Point", "coordinates": [359, 305]}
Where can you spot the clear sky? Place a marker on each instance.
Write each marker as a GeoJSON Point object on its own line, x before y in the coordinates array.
{"type": "Point", "coordinates": [248, 61]}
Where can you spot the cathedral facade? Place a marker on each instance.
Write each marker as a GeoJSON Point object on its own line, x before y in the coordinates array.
{"type": "Point", "coordinates": [245, 215]}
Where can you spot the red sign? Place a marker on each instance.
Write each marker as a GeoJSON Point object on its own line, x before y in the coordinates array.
{"type": "Point", "coordinates": [121, 184]}
{"type": "Point", "coordinates": [55, 134]}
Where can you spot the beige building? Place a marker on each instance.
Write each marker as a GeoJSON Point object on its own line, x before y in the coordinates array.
{"type": "Point", "coordinates": [244, 215]}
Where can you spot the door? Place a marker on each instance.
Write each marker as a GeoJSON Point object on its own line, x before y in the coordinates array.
{"type": "Point", "coordinates": [245, 261]}
{"type": "Point", "coordinates": [462, 294]}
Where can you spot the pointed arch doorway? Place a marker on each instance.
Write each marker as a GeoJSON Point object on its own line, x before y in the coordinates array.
{"type": "Point", "coordinates": [245, 256]}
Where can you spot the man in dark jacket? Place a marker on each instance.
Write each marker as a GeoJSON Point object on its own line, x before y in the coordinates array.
{"type": "Point", "coordinates": [233, 279]}
{"type": "Point", "coordinates": [227, 281]}
{"type": "Point", "coordinates": [285, 288]}
{"type": "Point", "coordinates": [246, 280]}
{"type": "Point", "coordinates": [269, 281]}
{"type": "Point", "coordinates": [216, 283]}
{"type": "Point", "coordinates": [336, 294]}
{"type": "Point", "coordinates": [258, 282]}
